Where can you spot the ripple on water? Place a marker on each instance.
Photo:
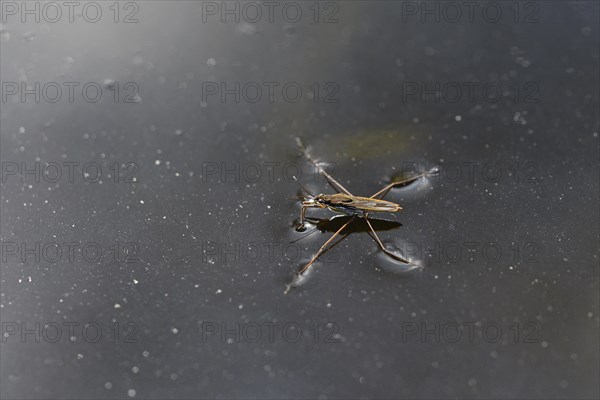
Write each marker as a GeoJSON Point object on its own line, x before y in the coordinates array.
{"type": "Point", "coordinates": [389, 264]}
{"type": "Point", "coordinates": [419, 184]}
{"type": "Point", "coordinates": [300, 279]}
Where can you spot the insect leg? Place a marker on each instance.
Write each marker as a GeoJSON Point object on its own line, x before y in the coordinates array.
{"type": "Point", "coordinates": [321, 250]}
{"type": "Point", "coordinates": [335, 184]}
{"type": "Point", "coordinates": [330, 179]}
{"type": "Point", "coordinates": [303, 208]}
{"type": "Point", "coordinates": [381, 194]}
{"type": "Point", "coordinates": [386, 251]}
{"type": "Point", "coordinates": [302, 212]}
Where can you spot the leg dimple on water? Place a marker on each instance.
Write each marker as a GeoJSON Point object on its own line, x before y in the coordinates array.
{"type": "Point", "coordinates": [300, 279]}
{"type": "Point", "coordinates": [390, 264]}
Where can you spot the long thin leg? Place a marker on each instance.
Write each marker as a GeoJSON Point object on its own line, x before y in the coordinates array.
{"type": "Point", "coordinates": [386, 251]}
{"type": "Point", "coordinates": [303, 208]}
{"type": "Point", "coordinates": [324, 246]}
{"type": "Point", "coordinates": [330, 179]}
{"type": "Point", "coordinates": [386, 189]}
{"type": "Point", "coordinates": [335, 184]}
{"type": "Point", "coordinates": [302, 213]}
{"type": "Point", "coordinates": [321, 251]}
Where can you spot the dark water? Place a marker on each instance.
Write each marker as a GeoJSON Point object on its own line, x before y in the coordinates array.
{"type": "Point", "coordinates": [196, 227]}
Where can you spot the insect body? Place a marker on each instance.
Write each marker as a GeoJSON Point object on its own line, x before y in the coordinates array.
{"type": "Point", "coordinates": [346, 203]}
{"type": "Point", "coordinates": [351, 205]}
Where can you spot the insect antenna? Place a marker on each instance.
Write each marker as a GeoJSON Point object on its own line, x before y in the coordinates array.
{"type": "Point", "coordinates": [306, 191]}
{"type": "Point", "coordinates": [303, 188]}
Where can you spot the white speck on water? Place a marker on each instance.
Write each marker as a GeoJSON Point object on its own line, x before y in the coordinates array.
{"type": "Point", "coordinates": [117, 305]}
{"type": "Point", "coordinates": [145, 353]}
{"type": "Point", "coordinates": [79, 356]}
{"type": "Point", "coordinates": [4, 34]}
{"type": "Point", "coordinates": [175, 330]}
{"type": "Point", "coordinates": [544, 344]}
{"type": "Point", "coordinates": [136, 98]}
{"type": "Point", "coordinates": [458, 118]}
{"type": "Point", "coordinates": [135, 281]}
{"type": "Point", "coordinates": [135, 369]}
{"type": "Point", "coordinates": [590, 314]}
{"type": "Point", "coordinates": [22, 129]}
{"type": "Point", "coordinates": [246, 29]}
{"type": "Point", "coordinates": [131, 393]}
{"type": "Point", "coordinates": [109, 83]}
{"type": "Point", "coordinates": [219, 291]}
{"type": "Point", "coordinates": [141, 201]}
{"type": "Point", "coordinates": [211, 62]}
{"type": "Point", "coordinates": [157, 162]}
{"type": "Point", "coordinates": [108, 385]}
{"type": "Point", "coordinates": [241, 306]}
{"type": "Point", "coordinates": [29, 36]}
